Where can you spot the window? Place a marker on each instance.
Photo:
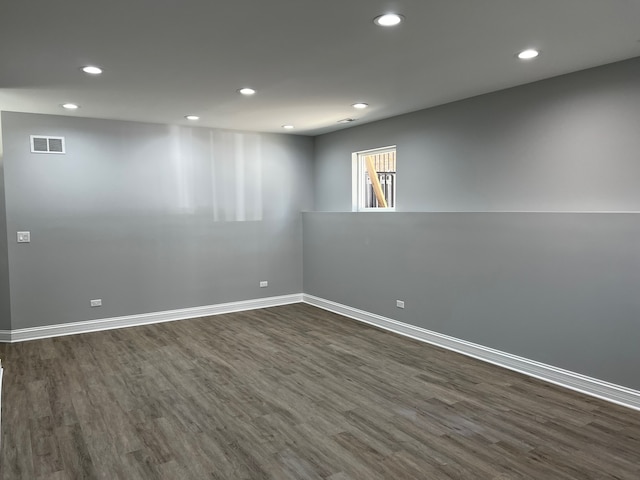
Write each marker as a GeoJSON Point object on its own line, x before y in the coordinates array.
{"type": "Point", "coordinates": [374, 180]}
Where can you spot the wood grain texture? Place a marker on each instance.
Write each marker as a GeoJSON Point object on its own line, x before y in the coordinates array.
{"type": "Point", "coordinates": [292, 392]}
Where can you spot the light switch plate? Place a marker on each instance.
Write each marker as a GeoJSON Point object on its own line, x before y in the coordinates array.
{"type": "Point", "coordinates": [24, 237]}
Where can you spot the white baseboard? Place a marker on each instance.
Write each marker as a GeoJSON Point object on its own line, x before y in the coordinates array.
{"type": "Point", "coordinates": [34, 333]}
{"type": "Point", "coordinates": [558, 376]}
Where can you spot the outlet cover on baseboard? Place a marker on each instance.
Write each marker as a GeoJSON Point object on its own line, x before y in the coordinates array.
{"type": "Point", "coordinates": [96, 303]}
{"type": "Point", "coordinates": [399, 303]}
{"type": "Point", "coordinates": [264, 283]}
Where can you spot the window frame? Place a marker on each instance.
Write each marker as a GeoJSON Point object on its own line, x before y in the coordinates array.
{"type": "Point", "coordinates": [358, 179]}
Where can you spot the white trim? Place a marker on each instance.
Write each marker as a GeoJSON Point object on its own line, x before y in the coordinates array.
{"type": "Point", "coordinates": [47, 137]}
{"type": "Point", "coordinates": [357, 180]}
{"type": "Point", "coordinates": [581, 383]}
{"type": "Point", "coordinates": [377, 149]}
{"type": "Point", "coordinates": [48, 331]}
{"type": "Point", "coordinates": [377, 209]}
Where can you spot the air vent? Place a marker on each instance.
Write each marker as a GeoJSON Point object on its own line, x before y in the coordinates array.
{"type": "Point", "coordinates": [43, 144]}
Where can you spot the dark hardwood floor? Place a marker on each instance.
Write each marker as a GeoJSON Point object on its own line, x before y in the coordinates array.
{"type": "Point", "coordinates": [292, 392]}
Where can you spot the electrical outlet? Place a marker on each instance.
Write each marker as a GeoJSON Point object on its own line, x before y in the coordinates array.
{"type": "Point", "coordinates": [96, 303]}
{"type": "Point", "coordinates": [399, 304]}
{"type": "Point", "coordinates": [24, 237]}
{"type": "Point", "coordinates": [264, 284]}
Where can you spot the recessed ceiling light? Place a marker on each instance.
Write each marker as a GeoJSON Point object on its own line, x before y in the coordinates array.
{"type": "Point", "coordinates": [91, 70]}
{"type": "Point", "coordinates": [192, 117]}
{"type": "Point", "coordinates": [347, 120]}
{"type": "Point", "coordinates": [360, 105]}
{"type": "Point", "coordinates": [247, 91]}
{"type": "Point", "coordinates": [528, 54]}
{"type": "Point", "coordinates": [70, 106]}
{"type": "Point", "coordinates": [288, 127]}
{"type": "Point", "coordinates": [388, 19]}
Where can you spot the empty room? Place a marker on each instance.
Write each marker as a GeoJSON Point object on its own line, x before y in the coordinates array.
{"type": "Point", "coordinates": [291, 240]}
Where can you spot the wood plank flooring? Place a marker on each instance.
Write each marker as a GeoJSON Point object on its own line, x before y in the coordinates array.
{"type": "Point", "coordinates": [292, 392]}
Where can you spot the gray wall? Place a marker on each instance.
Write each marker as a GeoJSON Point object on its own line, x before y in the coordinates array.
{"type": "Point", "coordinates": [558, 287]}
{"type": "Point", "coordinates": [150, 217]}
{"type": "Point", "coordinates": [570, 143]}
{"type": "Point", "coordinates": [5, 301]}
{"type": "Point", "coordinates": [153, 217]}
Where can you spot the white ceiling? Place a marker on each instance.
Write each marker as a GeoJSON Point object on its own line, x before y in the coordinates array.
{"type": "Point", "coordinates": [309, 60]}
